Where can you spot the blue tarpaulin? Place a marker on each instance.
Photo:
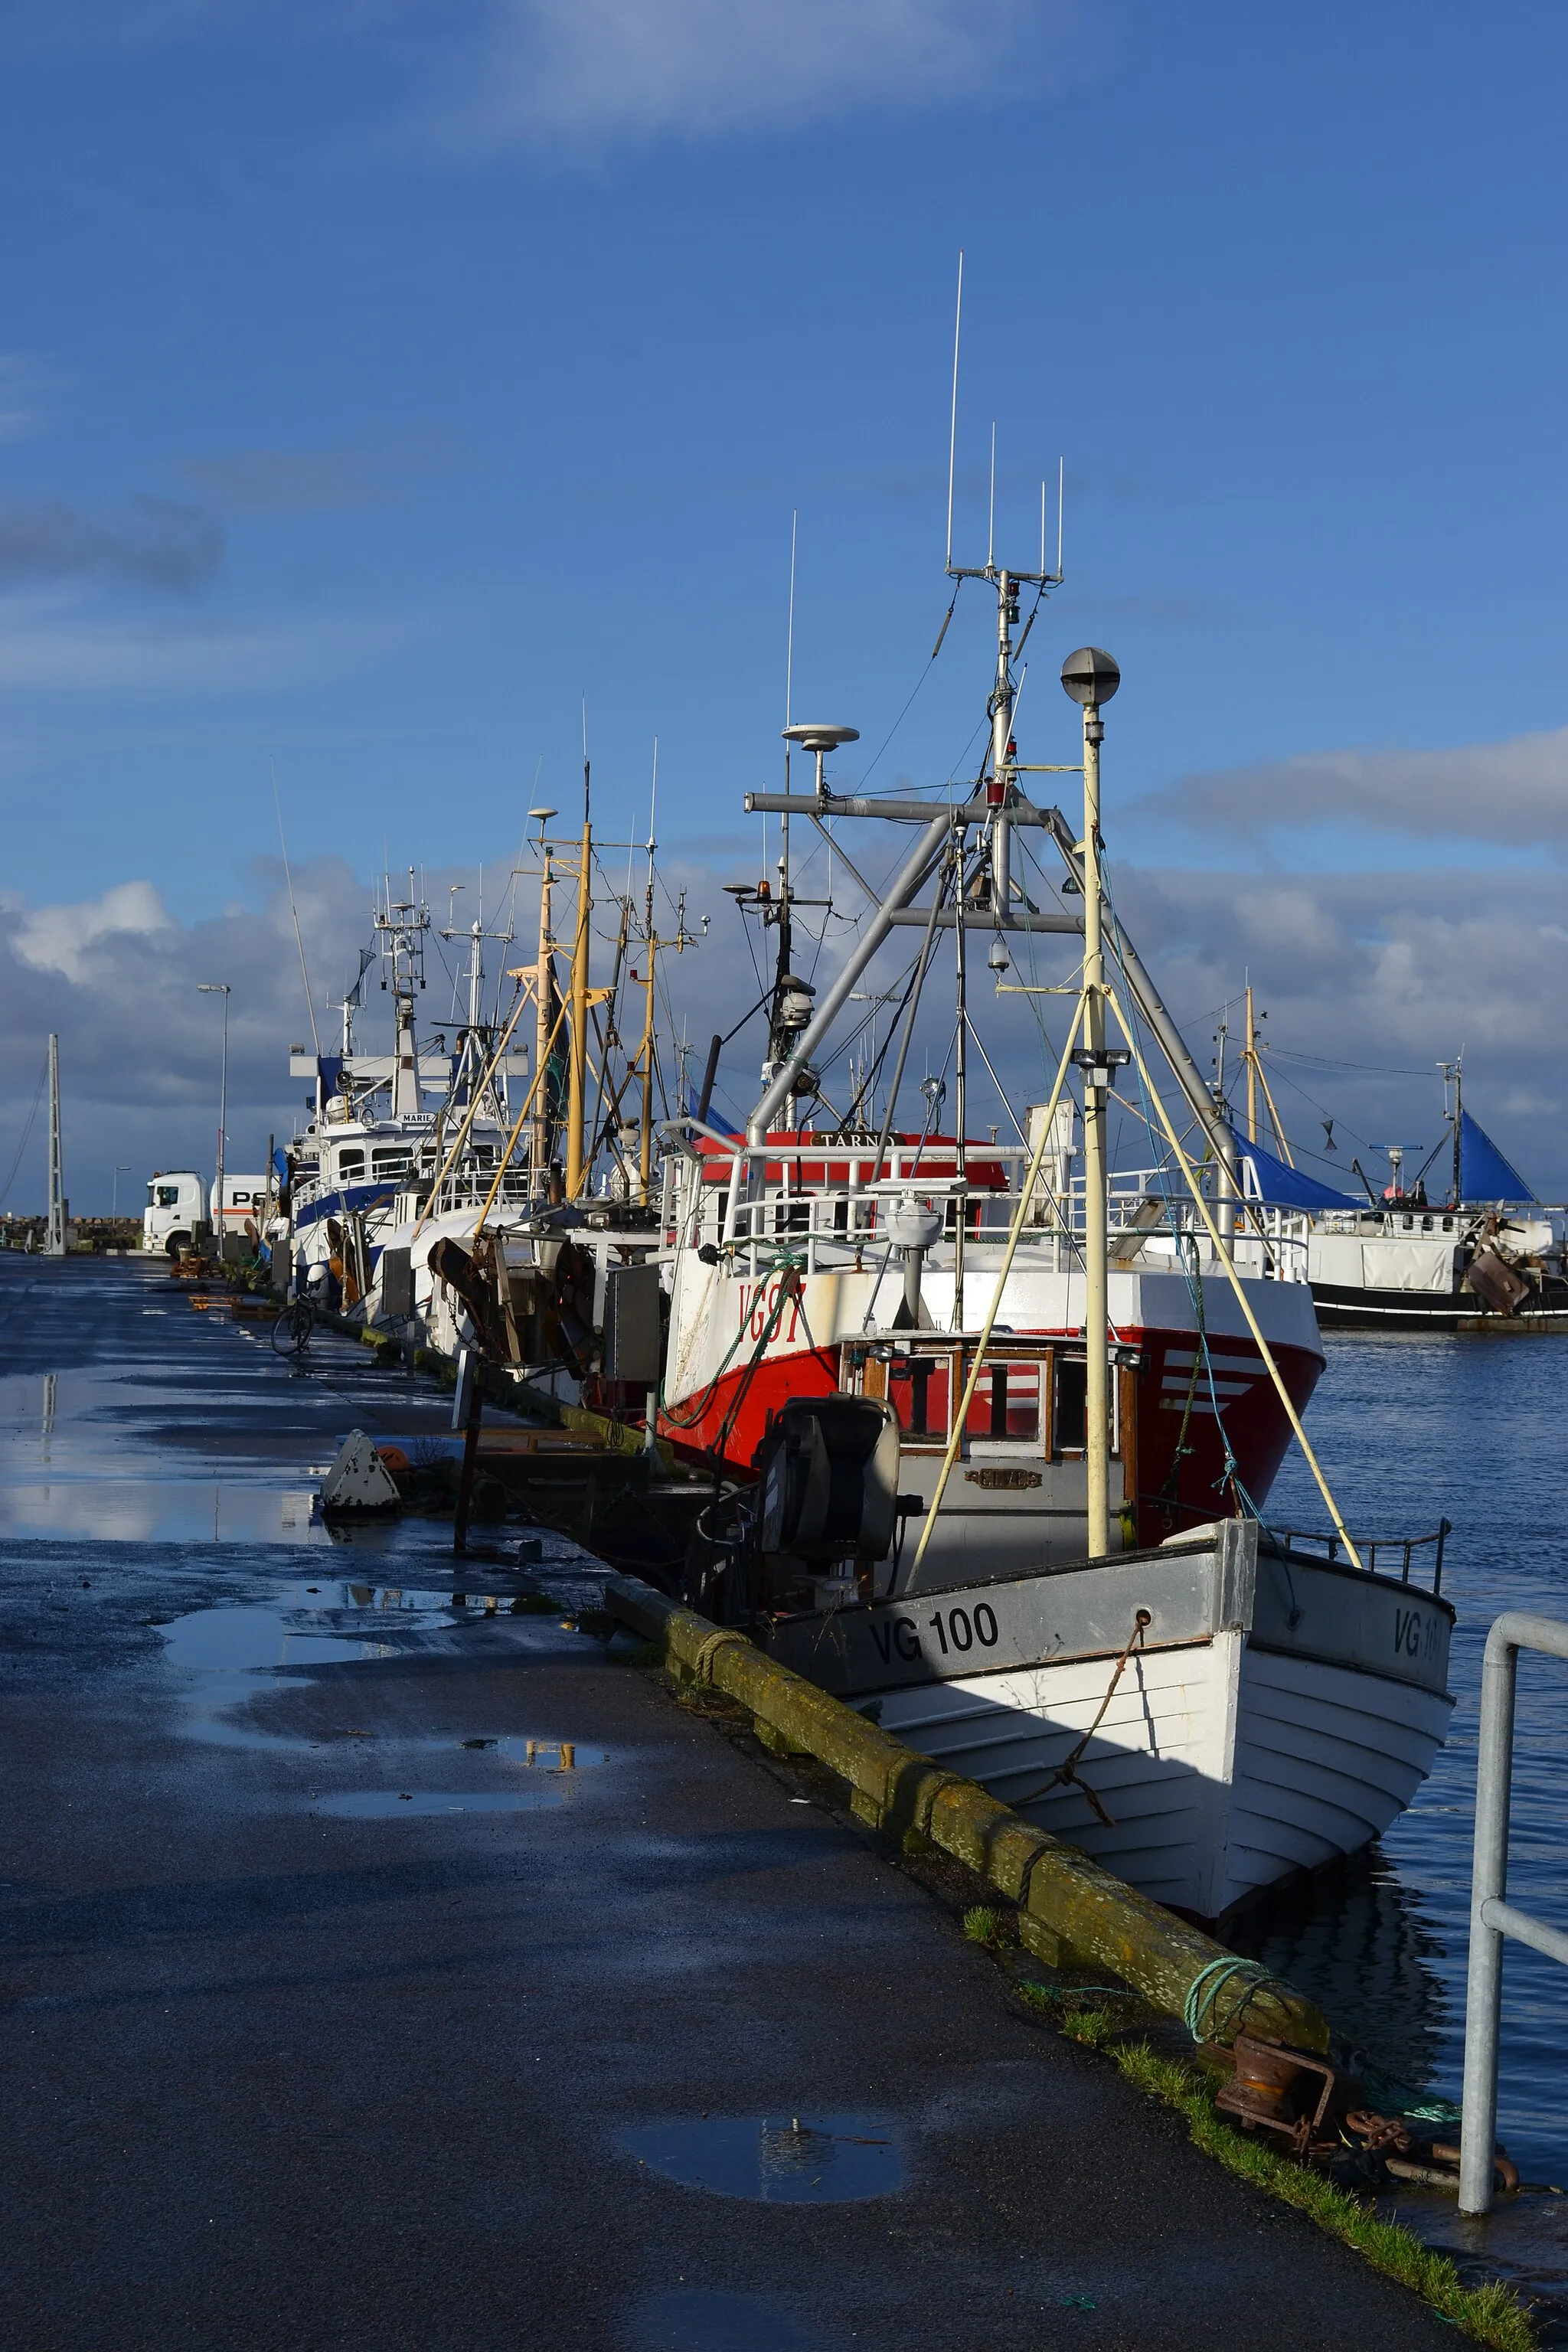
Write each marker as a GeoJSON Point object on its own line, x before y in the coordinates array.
{"type": "Point", "coordinates": [1484, 1173]}
{"type": "Point", "coordinates": [1266, 1179]}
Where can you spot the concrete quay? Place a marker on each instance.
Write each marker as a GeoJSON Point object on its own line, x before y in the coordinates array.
{"type": "Point", "coordinates": [326, 2026]}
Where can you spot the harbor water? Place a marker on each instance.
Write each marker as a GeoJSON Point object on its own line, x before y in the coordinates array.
{"type": "Point", "coordinates": [1411, 1430]}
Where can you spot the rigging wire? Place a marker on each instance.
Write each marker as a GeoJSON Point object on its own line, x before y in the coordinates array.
{"type": "Point", "coordinates": [27, 1131]}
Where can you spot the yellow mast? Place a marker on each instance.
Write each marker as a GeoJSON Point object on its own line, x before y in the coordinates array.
{"type": "Point", "coordinates": [543, 972]}
{"type": "Point", "coordinates": [577, 1092]}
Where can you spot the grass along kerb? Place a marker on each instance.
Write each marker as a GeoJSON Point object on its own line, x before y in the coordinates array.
{"type": "Point", "coordinates": [1490, 2315]}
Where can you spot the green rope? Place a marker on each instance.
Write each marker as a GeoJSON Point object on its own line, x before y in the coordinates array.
{"type": "Point", "coordinates": [1200, 2010]}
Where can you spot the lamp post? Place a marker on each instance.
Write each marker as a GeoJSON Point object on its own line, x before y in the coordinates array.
{"type": "Point", "coordinates": [121, 1168]}
{"type": "Point", "coordinates": [219, 988]}
{"type": "Point", "coordinates": [1091, 677]}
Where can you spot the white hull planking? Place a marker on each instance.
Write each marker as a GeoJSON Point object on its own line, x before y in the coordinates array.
{"type": "Point", "coordinates": [1224, 1766]}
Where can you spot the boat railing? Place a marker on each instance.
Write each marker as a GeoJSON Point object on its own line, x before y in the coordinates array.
{"type": "Point", "coordinates": [1401, 1556]}
{"type": "Point", "coordinates": [819, 1203]}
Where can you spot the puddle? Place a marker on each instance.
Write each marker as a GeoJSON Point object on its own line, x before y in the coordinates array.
{"type": "Point", "coordinates": [696, 2319]}
{"type": "Point", "coordinates": [159, 1510]}
{"type": "Point", "coordinates": [234, 1641]}
{"type": "Point", "coordinates": [388, 1805]}
{"type": "Point", "coordinates": [776, 2160]}
{"type": "Point", "coordinates": [319, 1624]}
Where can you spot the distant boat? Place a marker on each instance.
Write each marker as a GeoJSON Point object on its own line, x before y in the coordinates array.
{"type": "Point", "coordinates": [1488, 1257]}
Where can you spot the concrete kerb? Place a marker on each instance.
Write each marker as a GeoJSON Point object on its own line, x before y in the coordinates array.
{"type": "Point", "coordinates": [1071, 1912]}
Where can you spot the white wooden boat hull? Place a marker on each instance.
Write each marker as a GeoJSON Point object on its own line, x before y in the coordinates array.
{"type": "Point", "coordinates": [1231, 1755]}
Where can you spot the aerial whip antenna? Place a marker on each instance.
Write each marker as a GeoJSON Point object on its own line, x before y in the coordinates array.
{"type": "Point", "coordinates": [1061, 484]}
{"type": "Point", "coordinates": [990, 524]}
{"type": "Point", "coordinates": [952, 419]}
{"type": "Point", "coordinates": [294, 909]}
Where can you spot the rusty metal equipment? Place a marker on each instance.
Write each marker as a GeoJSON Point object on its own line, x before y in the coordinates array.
{"type": "Point", "coordinates": [1296, 2097]}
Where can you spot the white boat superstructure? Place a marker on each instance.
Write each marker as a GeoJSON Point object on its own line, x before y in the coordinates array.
{"type": "Point", "coordinates": [378, 1120]}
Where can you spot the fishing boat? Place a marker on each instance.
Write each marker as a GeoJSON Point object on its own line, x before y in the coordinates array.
{"type": "Point", "coordinates": [522, 1235]}
{"type": "Point", "coordinates": [1476, 1251]}
{"type": "Point", "coordinates": [377, 1120]}
{"type": "Point", "coordinates": [1235, 1708]}
{"type": "Point", "coordinates": [997, 1425]}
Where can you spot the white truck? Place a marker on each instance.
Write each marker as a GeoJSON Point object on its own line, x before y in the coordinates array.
{"type": "Point", "coordinates": [176, 1212]}
{"type": "Point", "coordinates": [182, 1212]}
{"type": "Point", "coordinates": [244, 1212]}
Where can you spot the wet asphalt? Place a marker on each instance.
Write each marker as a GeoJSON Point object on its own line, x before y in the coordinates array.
{"type": "Point", "coordinates": [324, 2028]}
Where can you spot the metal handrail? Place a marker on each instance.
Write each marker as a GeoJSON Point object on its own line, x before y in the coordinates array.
{"type": "Point", "coordinates": [1491, 1916]}
{"type": "Point", "coordinates": [1331, 1551]}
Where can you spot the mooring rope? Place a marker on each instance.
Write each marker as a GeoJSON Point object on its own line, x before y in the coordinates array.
{"type": "Point", "coordinates": [1200, 2010]}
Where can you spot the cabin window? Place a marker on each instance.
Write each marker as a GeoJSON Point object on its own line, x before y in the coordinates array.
{"type": "Point", "coordinates": [168, 1196]}
{"type": "Point", "coordinates": [351, 1167]}
{"type": "Point", "coordinates": [1070, 1420]}
{"type": "Point", "coordinates": [384, 1164]}
{"type": "Point", "coordinates": [1006, 1402]}
{"type": "Point", "coordinates": [792, 1217]}
{"type": "Point", "coordinates": [918, 1391]}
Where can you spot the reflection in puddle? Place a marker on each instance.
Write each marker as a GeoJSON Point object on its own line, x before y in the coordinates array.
{"type": "Point", "coordinates": [386, 1804]}
{"type": "Point", "coordinates": [319, 1624]}
{"type": "Point", "coordinates": [159, 1510]}
{"type": "Point", "coordinates": [694, 2319]}
{"type": "Point", "coordinates": [779, 2160]}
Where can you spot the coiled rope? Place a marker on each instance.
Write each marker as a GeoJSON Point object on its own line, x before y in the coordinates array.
{"type": "Point", "coordinates": [1201, 2010]}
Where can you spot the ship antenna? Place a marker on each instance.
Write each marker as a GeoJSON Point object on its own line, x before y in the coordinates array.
{"type": "Point", "coordinates": [1061, 485]}
{"type": "Point", "coordinates": [991, 525]}
{"type": "Point", "coordinates": [952, 418]}
{"type": "Point", "coordinates": [294, 909]}
{"type": "Point", "coordinates": [789, 690]}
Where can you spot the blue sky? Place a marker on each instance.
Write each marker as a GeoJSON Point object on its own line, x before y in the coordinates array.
{"type": "Point", "coordinates": [378, 379]}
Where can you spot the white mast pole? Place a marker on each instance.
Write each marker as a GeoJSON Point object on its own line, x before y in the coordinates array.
{"type": "Point", "coordinates": [219, 988]}
{"type": "Point", "coordinates": [55, 1232]}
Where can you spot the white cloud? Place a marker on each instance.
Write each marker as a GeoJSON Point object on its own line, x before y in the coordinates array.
{"type": "Point", "coordinates": [56, 938]}
{"type": "Point", "coordinates": [1396, 970]}
{"type": "Point", "coordinates": [1513, 792]}
{"type": "Point", "coordinates": [596, 71]}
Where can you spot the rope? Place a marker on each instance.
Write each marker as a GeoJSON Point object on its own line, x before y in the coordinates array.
{"type": "Point", "coordinates": [702, 1663]}
{"type": "Point", "coordinates": [1068, 1774]}
{"type": "Point", "coordinates": [1200, 2010]}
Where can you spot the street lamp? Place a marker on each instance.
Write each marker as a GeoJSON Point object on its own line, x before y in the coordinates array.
{"type": "Point", "coordinates": [219, 988]}
{"type": "Point", "coordinates": [121, 1168]}
{"type": "Point", "coordinates": [1090, 678]}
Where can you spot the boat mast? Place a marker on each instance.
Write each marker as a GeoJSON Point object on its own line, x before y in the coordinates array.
{"type": "Point", "coordinates": [576, 1169]}
{"type": "Point", "coordinates": [1094, 680]}
{"type": "Point", "coordinates": [54, 1232]}
{"type": "Point", "coordinates": [1251, 1071]}
{"type": "Point", "coordinates": [543, 1024]}
{"type": "Point", "coordinates": [645, 1051]}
